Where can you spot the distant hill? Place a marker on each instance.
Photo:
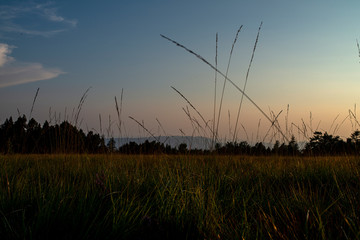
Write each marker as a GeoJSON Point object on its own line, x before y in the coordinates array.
{"type": "Point", "coordinates": [174, 141]}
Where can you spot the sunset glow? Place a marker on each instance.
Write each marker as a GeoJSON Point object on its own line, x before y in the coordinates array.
{"type": "Point", "coordinates": [305, 68]}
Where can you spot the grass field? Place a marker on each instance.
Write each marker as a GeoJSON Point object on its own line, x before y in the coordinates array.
{"type": "Point", "coordinates": [179, 197]}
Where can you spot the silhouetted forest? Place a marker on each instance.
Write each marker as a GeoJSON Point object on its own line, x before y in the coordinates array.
{"type": "Point", "coordinates": [23, 136]}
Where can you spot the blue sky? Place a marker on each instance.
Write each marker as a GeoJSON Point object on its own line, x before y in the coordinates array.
{"type": "Point", "coordinates": [306, 58]}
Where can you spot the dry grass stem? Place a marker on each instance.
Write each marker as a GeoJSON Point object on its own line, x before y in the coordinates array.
{"type": "Point", "coordinates": [187, 112]}
{"type": "Point", "coordinates": [246, 80]}
{"type": "Point", "coordinates": [192, 106]}
{"type": "Point", "coordinates": [229, 124]}
{"type": "Point", "coordinates": [317, 127]}
{"type": "Point", "coordinates": [101, 132]}
{"type": "Point", "coordinates": [33, 103]}
{"type": "Point", "coordinates": [355, 110]}
{"type": "Point", "coordinates": [247, 136]}
{"type": "Point", "coordinates": [287, 120]}
{"type": "Point", "coordinates": [353, 115]}
{"type": "Point", "coordinates": [109, 129]}
{"type": "Point", "coordinates": [225, 79]}
{"type": "Point", "coordinates": [301, 131]}
{"type": "Point", "coordinates": [223, 75]}
{"type": "Point", "coordinates": [214, 117]}
{"type": "Point", "coordinates": [118, 111]}
{"type": "Point", "coordinates": [163, 130]}
{"type": "Point", "coordinates": [50, 117]}
{"type": "Point", "coordinates": [272, 124]}
{"type": "Point", "coordinates": [339, 125]}
{"type": "Point", "coordinates": [258, 129]}
{"type": "Point", "coordinates": [81, 102]}
{"type": "Point", "coordinates": [195, 123]}
{"type": "Point", "coordinates": [304, 126]}
{"type": "Point", "coordinates": [143, 127]}
{"type": "Point", "coordinates": [333, 122]}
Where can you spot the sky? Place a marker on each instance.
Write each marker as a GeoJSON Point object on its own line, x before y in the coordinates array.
{"type": "Point", "coordinates": [306, 66]}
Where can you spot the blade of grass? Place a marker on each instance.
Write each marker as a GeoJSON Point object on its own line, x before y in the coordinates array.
{"type": "Point", "coordinates": [81, 102]}
{"type": "Point", "coordinates": [228, 79]}
{"type": "Point", "coordinates": [192, 106]}
{"type": "Point", "coordinates": [33, 103]}
{"type": "Point", "coordinates": [118, 111]}
{"type": "Point", "coordinates": [225, 79]}
{"type": "Point", "coordinates": [246, 79]}
{"type": "Point", "coordinates": [142, 125]}
{"type": "Point", "coordinates": [272, 124]}
{"type": "Point", "coordinates": [214, 117]}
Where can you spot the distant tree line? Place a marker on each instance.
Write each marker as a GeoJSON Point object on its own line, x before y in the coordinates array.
{"type": "Point", "coordinates": [22, 136]}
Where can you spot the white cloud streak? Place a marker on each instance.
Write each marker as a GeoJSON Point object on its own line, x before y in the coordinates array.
{"type": "Point", "coordinates": [19, 29]}
{"type": "Point", "coordinates": [4, 51]}
{"type": "Point", "coordinates": [26, 73]}
{"type": "Point", "coordinates": [13, 72]}
{"type": "Point", "coordinates": [9, 14]}
{"type": "Point", "coordinates": [14, 19]}
{"type": "Point", "coordinates": [50, 13]}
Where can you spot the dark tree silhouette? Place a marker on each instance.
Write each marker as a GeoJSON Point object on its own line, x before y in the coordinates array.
{"type": "Point", "coordinates": [325, 144]}
{"type": "Point", "coordinates": [29, 137]}
{"type": "Point", "coordinates": [23, 136]}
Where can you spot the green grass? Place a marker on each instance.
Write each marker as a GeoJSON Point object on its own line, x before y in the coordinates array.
{"type": "Point", "coordinates": [178, 197]}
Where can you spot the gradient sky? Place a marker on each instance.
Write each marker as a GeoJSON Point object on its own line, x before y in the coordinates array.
{"type": "Point", "coordinates": [306, 58]}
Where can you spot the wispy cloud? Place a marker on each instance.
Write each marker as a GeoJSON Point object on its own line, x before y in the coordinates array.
{"type": "Point", "coordinates": [16, 18]}
{"type": "Point", "coordinates": [13, 72]}
{"type": "Point", "coordinates": [11, 28]}
{"type": "Point", "coordinates": [5, 50]}
{"type": "Point", "coordinates": [51, 14]}
{"type": "Point", "coordinates": [33, 20]}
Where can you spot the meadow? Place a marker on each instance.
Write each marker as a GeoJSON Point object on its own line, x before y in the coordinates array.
{"type": "Point", "coordinates": [58, 182]}
{"type": "Point", "coordinates": [179, 197]}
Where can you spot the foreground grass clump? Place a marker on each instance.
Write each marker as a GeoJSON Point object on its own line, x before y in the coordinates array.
{"type": "Point", "coordinates": [179, 197]}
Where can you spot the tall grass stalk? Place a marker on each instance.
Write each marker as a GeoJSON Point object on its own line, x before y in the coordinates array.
{"type": "Point", "coordinates": [195, 123]}
{"type": "Point", "coordinates": [273, 123]}
{"type": "Point", "coordinates": [79, 107]}
{"type": "Point", "coordinates": [287, 120]}
{"type": "Point", "coordinates": [119, 111]}
{"type": "Point", "coordinates": [247, 136]}
{"type": "Point", "coordinates": [258, 130]}
{"type": "Point", "coordinates": [192, 120]}
{"type": "Point", "coordinates": [109, 128]}
{"type": "Point", "coordinates": [143, 127]}
{"type": "Point", "coordinates": [228, 79]}
{"type": "Point", "coordinates": [339, 125]}
{"type": "Point", "coordinates": [229, 124]}
{"type": "Point", "coordinates": [164, 132]}
{"type": "Point", "coordinates": [206, 123]}
{"type": "Point", "coordinates": [101, 131]}
{"type": "Point", "coordinates": [225, 80]}
{"type": "Point", "coordinates": [333, 122]}
{"type": "Point", "coordinates": [246, 80]}
{"type": "Point", "coordinates": [215, 87]}
{"type": "Point", "coordinates": [303, 133]}
{"type": "Point", "coordinates": [355, 119]}
{"type": "Point", "coordinates": [33, 103]}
